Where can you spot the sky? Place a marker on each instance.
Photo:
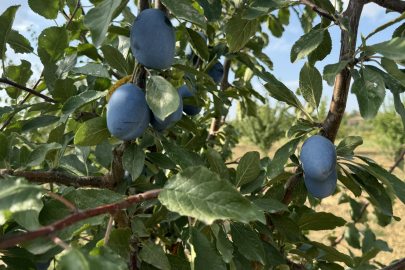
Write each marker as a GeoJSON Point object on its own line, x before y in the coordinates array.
{"type": "Point", "coordinates": [278, 49]}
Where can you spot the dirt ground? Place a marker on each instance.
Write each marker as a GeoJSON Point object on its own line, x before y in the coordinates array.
{"type": "Point", "coordinates": [393, 234]}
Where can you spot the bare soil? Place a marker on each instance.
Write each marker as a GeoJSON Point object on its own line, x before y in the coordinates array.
{"type": "Point", "coordinates": [393, 234]}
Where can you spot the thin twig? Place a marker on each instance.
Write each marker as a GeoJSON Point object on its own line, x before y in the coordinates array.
{"type": "Point", "coordinates": [32, 91]}
{"type": "Point", "coordinates": [78, 216]}
{"type": "Point", "coordinates": [318, 10]}
{"type": "Point", "coordinates": [73, 14]}
{"type": "Point", "coordinates": [399, 159]}
{"type": "Point", "coordinates": [61, 199]}
{"type": "Point", "coordinates": [109, 227]}
{"type": "Point", "coordinates": [342, 236]}
{"type": "Point", "coordinates": [60, 243]}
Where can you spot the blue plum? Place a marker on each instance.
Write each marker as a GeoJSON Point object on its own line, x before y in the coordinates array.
{"type": "Point", "coordinates": [318, 157]}
{"type": "Point", "coordinates": [190, 53]}
{"type": "Point", "coordinates": [153, 41]}
{"type": "Point", "coordinates": [184, 91]}
{"type": "Point", "coordinates": [217, 72]}
{"type": "Point", "coordinates": [170, 120]}
{"type": "Point", "coordinates": [321, 189]}
{"type": "Point", "coordinates": [128, 114]}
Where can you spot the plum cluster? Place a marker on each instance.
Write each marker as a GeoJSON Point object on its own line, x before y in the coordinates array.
{"type": "Point", "coordinates": [153, 43]}
{"type": "Point", "coordinates": [318, 158]}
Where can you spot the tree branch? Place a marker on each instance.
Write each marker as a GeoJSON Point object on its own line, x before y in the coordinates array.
{"type": "Point", "coordinates": [337, 108]}
{"type": "Point", "coordinates": [61, 199]}
{"type": "Point", "coordinates": [58, 178]}
{"type": "Point", "coordinates": [318, 10]}
{"type": "Point", "coordinates": [73, 14]}
{"type": "Point", "coordinates": [400, 265]}
{"type": "Point", "coordinates": [80, 215]}
{"type": "Point", "coordinates": [394, 5]}
{"type": "Point", "coordinates": [29, 90]}
{"type": "Point", "coordinates": [342, 236]}
{"type": "Point", "coordinates": [399, 159]}
{"type": "Point", "coordinates": [295, 266]}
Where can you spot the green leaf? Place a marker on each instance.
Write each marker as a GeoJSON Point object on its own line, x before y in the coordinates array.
{"type": "Point", "coordinates": [320, 221]}
{"type": "Point", "coordinates": [162, 98]}
{"type": "Point", "coordinates": [39, 122]}
{"type": "Point", "coordinates": [193, 71]}
{"type": "Point", "coordinates": [19, 74]}
{"type": "Point", "coordinates": [238, 31]}
{"type": "Point", "coordinates": [98, 19]}
{"type": "Point", "coordinates": [184, 9]}
{"type": "Point", "coordinates": [181, 156]}
{"type": "Point", "coordinates": [399, 32]}
{"type": "Point", "coordinates": [52, 43]}
{"type": "Point", "coordinates": [393, 49]}
{"type": "Point", "coordinates": [276, 4]}
{"type": "Point", "coordinates": [217, 164]}
{"type": "Point", "coordinates": [119, 242]}
{"type": "Point", "coordinates": [275, 26]}
{"type": "Point", "coordinates": [330, 71]}
{"type": "Point", "coordinates": [76, 102]}
{"type": "Point", "coordinates": [197, 43]}
{"type": "Point", "coordinates": [326, 5]}
{"type": "Point", "coordinates": [65, 65]}
{"type": "Point", "coordinates": [349, 182]}
{"type": "Point", "coordinates": [161, 160]}
{"type": "Point", "coordinates": [273, 255]}
{"type": "Point", "coordinates": [186, 123]}
{"type": "Point", "coordinates": [333, 254]}
{"type": "Point", "coordinates": [206, 256]}
{"type": "Point", "coordinates": [390, 83]}
{"type": "Point", "coordinates": [257, 183]}
{"type": "Point", "coordinates": [370, 91]}
{"type": "Point", "coordinates": [399, 107]}
{"type": "Point", "coordinates": [6, 21]}
{"type": "Point", "coordinates": [4, 148]}
{"type": "Point", "coordinates": [23, 200]}
{"type": "Point", "coordinates": [212, 9]}
{"type": "Point", "coordinates": [306, 44]}
{"type": "Point", "coordinates": [329, 266]}
{"type": "Point", "coordinates": [94, 69]}
{"type": "Point", "coordinates": [37, 156]}
{"type": "Point", "coordinates": [347, 146]}
{"type": "Point", "coordinates": [18, 42]}
{"type": "Point", "coordinates": [276, 166]}
{"type": "Point", "coordinates": [323, 50]}
{"type": "Point", "coordinates": [248, 168]}
{"type": "Point", "coordinates": [178, 263]}
{"type": "Point", "coordinates": [392, 68]}
{"type": "Point", "coordinates": [133, 160]}
{"type": "Point", "coordinates": [154, 255]}
{"type": "Point", "coordinates": [300, 193]}
{"type": "Point", "coordinates": [214, 199]}
{"type": "Point", "coordinates": [282, 93]}
{"type": "Point", "coordinates": [270, 205]}
{"type": "Point", "coordinates": [138, 228]}
{"type": "Point", "coordinates": [385, 25]}
{"type": "Point", "coordinates": [264, 58]}
{"type": "Point", "coordinates": [46, 8]}
{"type": "Point", "coordinates": [157, 217]}
{"type": "Point", "coordinates": [114, 57]}
{"type": "Point", "coordinates": [224, 245]}
{"type": "Point", "coordinates": [311, 84]}
{"type": "Point", "coordinates": [64, 89]}
{"type": "Point", "coordinates": [240, 262]}
{"type": "Point", "coordinates": [352, 235]}
{"type": "Point", "coordinates": [248, 242]}
{"type": "Point", "coordinates": [286, 227]}
{"type": "Point", "coordinates": [92, 132]}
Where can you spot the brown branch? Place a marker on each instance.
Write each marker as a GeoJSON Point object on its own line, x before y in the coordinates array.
{"type": "Point", "coordinates": [61, 199]}
{"type": "Point", "coordinates": [318, 10]}
{"type": "Point", "coordinates": [29, 90]}
{"type": "Point", "coordinates": [117, 172]}
{"type": "Point", "coordinates": [399, 159]}
{"type": "Point", "coordinates": [399, 265]}
{"type": "Point", "coordinates": [79, 216]}
{"type": "Point", "coordinates": [290, 185]}
{"type": "Point", "coordinates": [73, 14]}
{"type": "Point", "coordinates": [295, 266]}
{"type": "Point", "coordinates": [394, 5]}
{"type": "Point", "coordinates": [337, 108]}
{"type": "Point", "coordinates": [59, 178]}
{"type": "Point", "coordinates": [60, 243]}
{"type": "Point", "coordinates": [108, 231]}
{"type": "Point", "coordinates": [342, 236]}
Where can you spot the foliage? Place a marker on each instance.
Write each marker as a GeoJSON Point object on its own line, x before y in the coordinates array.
{"type": "Point", "coordinates": [182, 207]}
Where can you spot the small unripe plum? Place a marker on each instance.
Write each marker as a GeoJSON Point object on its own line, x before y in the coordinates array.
{"type": "Point", "coordinates": [318, 157]}
{"type": "Point", "coordinates": [170, 120]}
{"type": "Point", "coordinates": [321, 189]}
{"type": "Point", "coordinates": [217, 72]}
{"type": "Point", "coordinates": [153, 41]}
{"type": "Point", "coordinates": [128, 114]}
{"type": "Point", "coordinates": [190, 53]}
{"type": "Point", "coordinates": [184, 91]}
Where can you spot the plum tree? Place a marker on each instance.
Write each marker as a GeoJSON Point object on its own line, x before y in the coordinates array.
{"type": "Point", "coordinates": [153, 41]}
{"type": "Point", "coordinates": [169, 121]}
{"type": "Point", "coordinates": [217, 72]}
{"type": "Point", "coordinates": [128, 114]}
{"type": "Point", "coordinates": [189, 51]}
{"type": "Point", "coordinates": [321, 189]}
{"type": "Point", "coordinates": [184, 91]}
{"type": "Point", "coordinates": [318, 157]}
